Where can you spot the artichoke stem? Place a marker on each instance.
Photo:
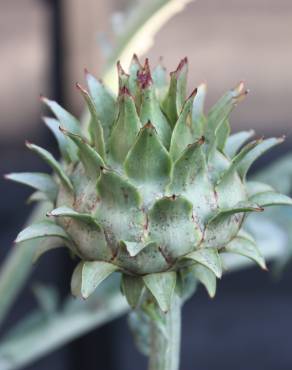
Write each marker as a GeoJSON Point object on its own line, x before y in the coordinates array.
{"type": "Point", "coordinates": [165, 345]}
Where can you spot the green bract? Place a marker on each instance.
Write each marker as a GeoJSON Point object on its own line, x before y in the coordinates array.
{"type": "Point", "coordinates": [154, 190]}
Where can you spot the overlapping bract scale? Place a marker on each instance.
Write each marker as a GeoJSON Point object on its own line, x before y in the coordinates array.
{"type": "Point", "coordinates": [156, 189]}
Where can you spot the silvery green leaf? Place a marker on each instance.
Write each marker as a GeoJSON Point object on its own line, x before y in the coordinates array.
{"type": "Point", "coordinates": [51, 161]}
{"type": "Point", "coordinates": [271, 198]}
{"type": "Point", "coordinates": [71, 213]}
{"type": "Point", "coordinates": [47, 297]}
{"type": "Point", "coordinates": [162, 286]}
{"type": "Point", "coordinates": [245, 247]}
{"type": "Point", "coordinates": [68, 121]}
{"type": "Point", "coordinates": [67, 149]}
{"type": "Point", "coordinates": [255, 153]}
{"type": "Point", "coordinates": [176, 95]}
{"type": "Point", "coordinates": [89, 157]}
{"type": "Point", "coordinates": [255, 187]}
{"type": "Point", "coordinates": [95, 127]}
{"type": "Point", "coordinates": [88, 275]}
{"type": "Point", "coordinates": [104, 102]}
{"type": "Point", "coordinates": [222, 135]}
{"type": "Point", "coordinates": [235, 142]}
{"type": "Point", "coordinates": [39, 181]}
{"type": "Point", "coordinates": [206, 277]}
{"type": "Point", "coordinates": [41, 230]}
{"type": "Point", "coordinates": [209, 258]}
{"type": "Point", "coordinates": [132, 287]}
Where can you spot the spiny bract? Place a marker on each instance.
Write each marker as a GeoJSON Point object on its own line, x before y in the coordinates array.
{"type": "Point", "coordinates": [156, 188]}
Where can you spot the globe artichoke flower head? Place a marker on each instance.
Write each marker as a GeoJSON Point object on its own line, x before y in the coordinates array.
{"type": "Point", "coordinates": [153, 189]}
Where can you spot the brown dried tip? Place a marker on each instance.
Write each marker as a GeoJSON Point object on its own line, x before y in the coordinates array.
{"type": "Point", "coordinates": [201, 140]}
{"type": "Point", "coordinates": [144, 76]}
{"type": "Point", "coordinates": [81, 88]}
{"type": "Point", "coordinates": [180, 67]}
{"type": "Point", "coordinates": [135, 60]}
{"type": "Point", "coordinates": [120, 69]}
{"type": "Point", "coordinates": [193, 93]}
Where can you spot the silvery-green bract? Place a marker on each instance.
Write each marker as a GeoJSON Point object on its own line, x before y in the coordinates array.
{"type": "Point", "coordinates": [155, 188]}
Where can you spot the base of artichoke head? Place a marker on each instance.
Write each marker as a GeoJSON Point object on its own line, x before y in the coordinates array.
{"type": "Point", "coordinates": [165, 344]}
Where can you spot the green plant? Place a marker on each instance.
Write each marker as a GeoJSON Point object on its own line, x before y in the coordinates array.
{"type": "Point", "coordinates": [156, 191]}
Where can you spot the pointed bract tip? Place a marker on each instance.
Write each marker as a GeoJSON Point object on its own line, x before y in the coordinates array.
{"type": "Point", "coordinates": [121, 71]}
{"type": "Point", "coordinates": [182, 64]}
{"type": "Point", "coordinates": [282, 138]}
{"type": "Point", "coordinates": [148, 125]}
{"type": "Point", "coordinates": [28, 144]}
{"type": "Point", "coordinates": [80, 88]}
{"type": "Point", "coordinates": [193, 93]}
{"type": "Point", "coordinates": [202, 86]}
{"type": "Point", "coordinates": [202, 140]}
{"type": "Point", "coordinates": [135, 60]}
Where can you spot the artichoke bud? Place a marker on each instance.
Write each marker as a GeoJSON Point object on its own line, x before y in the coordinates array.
{"type": "Point", "coordinates": [155, 190]}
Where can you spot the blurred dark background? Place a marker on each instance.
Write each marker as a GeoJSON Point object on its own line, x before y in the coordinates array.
{"type": "Point", "coordinates": [45, 46]}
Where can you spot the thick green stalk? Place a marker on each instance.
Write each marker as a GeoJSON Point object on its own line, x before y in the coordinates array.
{"type": "Point", "coordinates": [165, 345]}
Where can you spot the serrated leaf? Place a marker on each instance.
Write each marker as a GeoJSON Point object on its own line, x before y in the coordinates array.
{"type": "Point", "coordinates": [171, 225]}
{"type": "Point", "coordinates": [176, 94]}
{"type": "Point", "coordinates": [68, 121]}
{"type": "Point", "coordinates": [71, 213]}
{"type": "Point", "coordinates": [256, 153]}
{"type": "Point", "coordinates": [104, 102]}
{"type": "Point", "coordinates": [67, 149]}
{"type": "Point", "coordinates": [95, 127]}
{"type": "Point", "coordinates": [90, 159]}
{"type": "Point", "coordinates": [245, 247]}
{"type": "Point", "coordinates": [132, 287]}
{"type": "Point", "coordinates": [88, 275]}
{"type": "Point", "coordinates": [206, 277]}
{"type": "Point", "coordinates": [271, 198]}
{"type": "Point", "coordinates": [41, 230]}
{"type": "Point", "coordinates": [125, 129]}
{"type": "Point", "coordinates": [183, 132]}
{"type": "Point", "coordinates": [144, 168]}
{"type": "Point", "coordinates": [235, 142]}
{"type": "Point", "coordinates": [51, 161]}
{"type": "Point", "coordinates": [39, 181]}
{"type": "Point", "coordinates": [150, 109]}
{"type": "Point", "coordinates": [209, 258]}
{"type": "Point", "coordinates": [162, 286]}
